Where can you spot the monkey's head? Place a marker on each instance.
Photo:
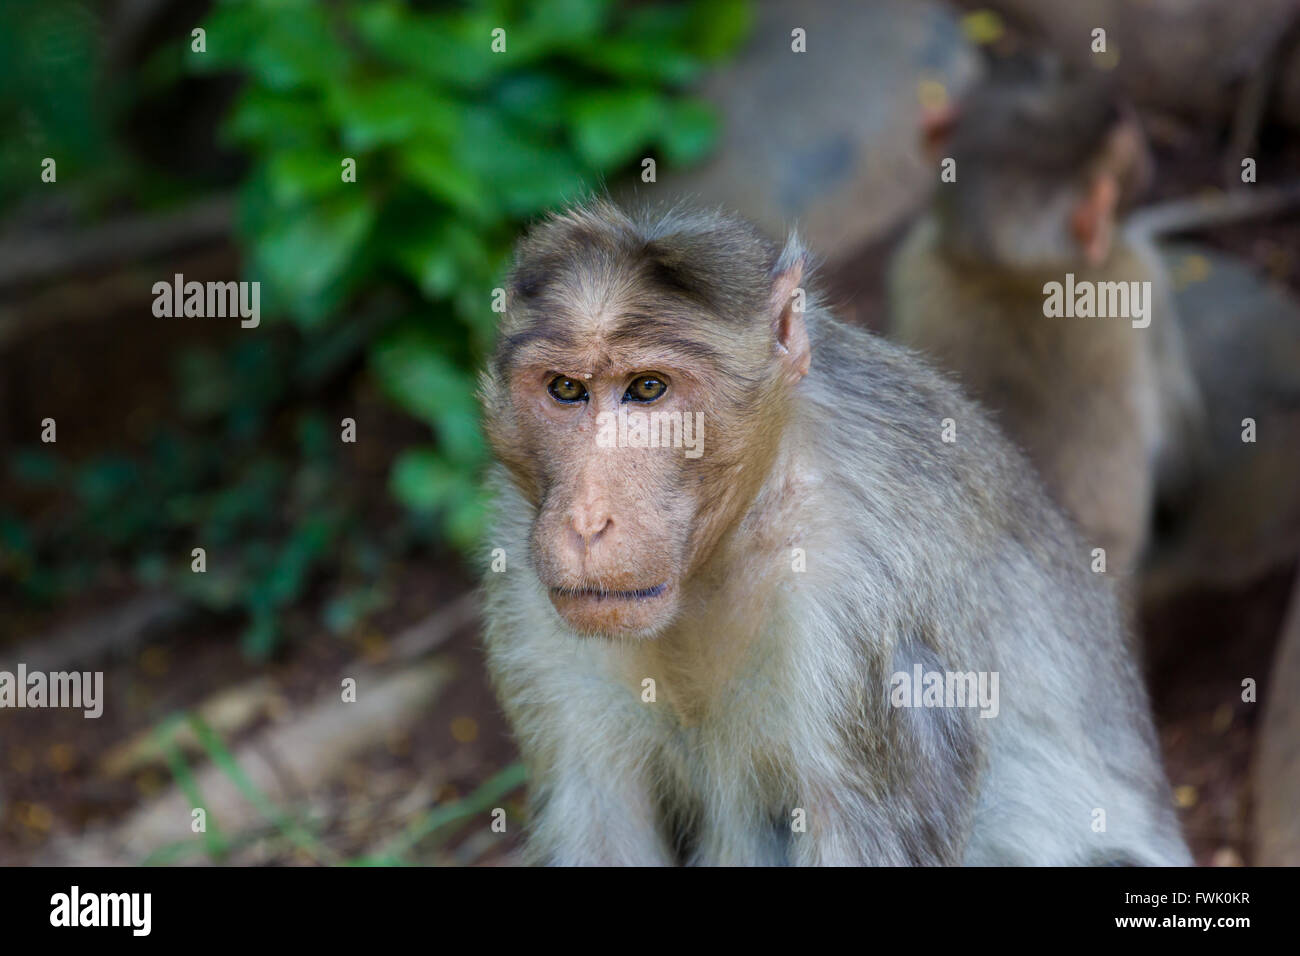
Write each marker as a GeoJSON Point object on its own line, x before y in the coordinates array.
{"type": "Point", "coordinates": [642, 378]}
{"type": "Point", "coordinates": [1044, 163]}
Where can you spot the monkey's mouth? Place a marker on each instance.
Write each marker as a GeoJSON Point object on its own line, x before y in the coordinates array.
{"type": "Point", "coordinates": [604, 594]}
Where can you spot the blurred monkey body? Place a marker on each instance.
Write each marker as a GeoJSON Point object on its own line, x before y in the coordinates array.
{"type": "Point", "coordinates": [1085, 397]}
{"type": "Point", "coordinates": [697, 654]}
{"type": "Point", "coordinates": [1106, 408]}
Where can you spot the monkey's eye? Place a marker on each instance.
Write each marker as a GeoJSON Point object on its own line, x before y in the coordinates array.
{"type": "Point", "coordinates": [645, 389]}
{"type": "Point", "coordinates": [567, 390]}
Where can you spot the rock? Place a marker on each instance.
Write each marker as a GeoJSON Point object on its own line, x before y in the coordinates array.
{"type": "Point", "coordinates": [228, 711]}
{"type": "Point", "coordinates": [1243, 518]}
{"type": "Point", "coordinates": [89, 640]}
{"type": "Point", "coordinates": [284, 762]}
{"type": "Point", "coordinates": [1277, 754]}
{"type": "Point", "coordinates": [1184, 56]}
{"type": "Point", "coordinates": [829, 138]}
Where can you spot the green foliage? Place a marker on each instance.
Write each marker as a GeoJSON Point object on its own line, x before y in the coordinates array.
{"type": "Point", "coordinates": [212, 841]}
{"type": "Point", "coordinates": [265, 494]}
{"type": "Point", "coordinates": [426, 833]}
{"type": "Point", "coordinates": [442, 822]}
{"type": "Point", "coordinates": [48, 105]}
{"type": "Point", "coordinates": [455, 147]}
{"type": "Point", "coordinates": [455, 144]}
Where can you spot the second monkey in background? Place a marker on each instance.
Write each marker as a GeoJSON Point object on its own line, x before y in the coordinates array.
{"type": "Point", "coordinates": [1106, 407]}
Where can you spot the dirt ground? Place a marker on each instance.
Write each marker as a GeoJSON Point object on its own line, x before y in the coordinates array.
{"type": "Point", "coordinates": [50, 779]}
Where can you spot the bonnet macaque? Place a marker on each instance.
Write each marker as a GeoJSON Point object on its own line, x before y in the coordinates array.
{"type": "Point", "coordinates": [846, 627]}
{"type": "Point", "coordinates": [1024, 283]}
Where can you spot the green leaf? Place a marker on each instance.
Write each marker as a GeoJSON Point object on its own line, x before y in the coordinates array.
{"type": "Point", "coordinates": [214, 841]}
{"type": "Point", "coordinates": [378, 112]}
{"type": "Point", "coordinates": [525, 174]}
{"type": "Point", "coordinates": [453, 49]}
{"type": "Point", "coordinates": [203, 383]}
{"type": "Point", "coordinates": [296, 175]}
{"type": "Point", "coordinates": [488, 794]}
{"type": "Point", "coordinates": [716, 28]}
{"type": "Point", "coordinates": [423, 480]}
{"type": "Point", "coordinates": [307, 249]}
{"type": "Point", "coordinates": [441, 254]}
{"type": "Point", "coordinates": [435, 170]}
{"type": "Point", "coordinates": [35, 467]}
{"type": "Point", "coordinates": [640, 60]}
{"type": "Point", "coordinates": [535, 99]}
{"type": "Point", "coordinates": [107, 479]}
{"type": "Point", "coordinates": [610, 125]}
{"type": "Point", "coordinates": [297, 47]}
{"type": "Point", "coordinates": [267, 119]}
{"type": "Point", "coordinates": [296, 559]}
{"type": "Point", "coordinates": [232, 31]}
{"type": "Point", "coordinates": [468, 519]}
{"type": "Point", "coordinates": [689, 132]}
{"type": "Point", "coordinates": [223, 759]}
{"type": "Point", "coordinates": [411, 371]}
{"type": "Point", "coordinates": [552, 25]}
{"type": "Point", "coordinates": [15, 536]}
{"type": "Point", "coordinates": [345, 611]}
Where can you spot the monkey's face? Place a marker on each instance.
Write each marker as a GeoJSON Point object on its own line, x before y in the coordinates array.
{"type": "Point", "coordinates": [1047, 165]}
{"type": "Point", "coordinates": [614, 453]}
{"type": "Point", "coordinates": [636, 398]}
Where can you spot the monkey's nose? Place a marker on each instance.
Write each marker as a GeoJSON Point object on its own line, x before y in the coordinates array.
{"type": "Point", "coordinates": [589, 526]}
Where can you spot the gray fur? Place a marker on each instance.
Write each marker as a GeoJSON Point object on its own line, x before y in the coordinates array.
{"type": "Point", "coordinates": [949, 555]}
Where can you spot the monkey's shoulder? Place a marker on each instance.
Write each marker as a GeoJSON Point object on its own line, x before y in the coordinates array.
{"type": "Point", "coordinates": [890, 395]}
{"type": "Point", "coordinates": [883, 417]}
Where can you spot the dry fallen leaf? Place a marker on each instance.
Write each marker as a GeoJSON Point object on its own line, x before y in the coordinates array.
{"type": "Point", "coordinates": [35, 816]}
{"type": "Point", "coordinates": [227, 712]}
{"type": "Point", "coordinates": [61, 758]}
{"type": "Point", "coordinates": [464, 730]}
{"type": "Point", "coordinates": [1222, 719]}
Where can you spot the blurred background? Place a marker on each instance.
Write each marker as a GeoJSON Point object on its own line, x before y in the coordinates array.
{"type": "Point", "coordinates": [213, 140]}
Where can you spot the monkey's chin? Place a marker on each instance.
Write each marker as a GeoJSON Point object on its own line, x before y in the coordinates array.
{"type": "Point", "coordinates": [637, 614]}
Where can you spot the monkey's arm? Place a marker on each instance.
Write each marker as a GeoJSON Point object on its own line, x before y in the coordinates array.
{"type": "Point", "coordinates": [592, 811]}
{"type": "Point", "coordinates": [585, 742]}
{"type": "Point", "coordinates": [906, 791]}
{"type": "Point", "coordinates": [924, 818]}
{"type": "Point", "coordinates": [590, 789]}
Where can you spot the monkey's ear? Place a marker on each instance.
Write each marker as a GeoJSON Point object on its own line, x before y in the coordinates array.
{"type": "Point", "coordinates": [790, 334]}
{"type": "Point", "coordinates": [937, 124]}
{"type": "Point", "coordinates": [1093, 219]}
